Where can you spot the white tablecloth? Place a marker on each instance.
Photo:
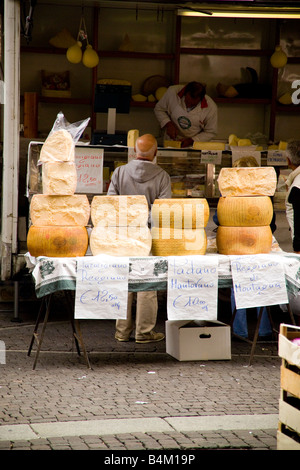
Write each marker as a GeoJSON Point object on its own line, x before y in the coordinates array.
{"type": "Point", "coordinates": [148, 273]}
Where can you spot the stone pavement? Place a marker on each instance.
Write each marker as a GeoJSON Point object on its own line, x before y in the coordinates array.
{"type": "Point", "coordinates": [135, 396]}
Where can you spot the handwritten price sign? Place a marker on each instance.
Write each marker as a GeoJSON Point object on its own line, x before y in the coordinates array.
{"type": "Point", "coordinates": [89, 166]}
{"type": "Point", "coordinates": [192, 288]}
{"type": "Point", "coordinates": [258, 281]}
{"type": "Point", "coordinates": [101, 287]}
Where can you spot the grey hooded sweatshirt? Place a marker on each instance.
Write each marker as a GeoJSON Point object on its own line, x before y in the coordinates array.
{"type": "Point", "coordinates": [141, 177]}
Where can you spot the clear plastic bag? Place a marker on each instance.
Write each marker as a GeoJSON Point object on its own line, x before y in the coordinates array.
{"type": "Point", "coordinates": [61, 141]}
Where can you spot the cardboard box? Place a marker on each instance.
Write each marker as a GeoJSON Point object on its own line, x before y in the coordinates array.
{"type": "Point", "coordinates": [198, 340]}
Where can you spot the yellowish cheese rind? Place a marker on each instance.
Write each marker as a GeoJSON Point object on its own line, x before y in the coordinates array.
{"type": "Point", "coordinates": [59, 210]}
{"type": "Point", "coordinates": [259, 181]}
{"type": "Point", "coordinates": [245, 211]}
{"type": "Point", "coordinates": [59, 146]}
{"type": "Point", "coordinates": [59, 178]}
{"type": "Point", "coordinates": [178, 242]}
{"type": "Point", "coordinates": [180, 213]}
{"type": "Point", "coordinates": [112, 211]}
{"type": "Point", "coordinates": [244, 240]}
{"type": "Point", "coordinates": [120, 241]}
{"type": "Point", "coordinates": [132, 135]}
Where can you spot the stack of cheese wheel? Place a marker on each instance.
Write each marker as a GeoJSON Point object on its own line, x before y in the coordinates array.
{"type": "Point", "coordinates": [245, 210]}
{"type": "Point", "coordinates": [58, 216]}
{"type": "Point", "coordinates": [120, 226]}
{"type": "Point", "coordinates": [178, 227]}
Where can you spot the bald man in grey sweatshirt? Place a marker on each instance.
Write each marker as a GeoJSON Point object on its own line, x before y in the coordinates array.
{"type": "Point", "coordinates": [141, 177]}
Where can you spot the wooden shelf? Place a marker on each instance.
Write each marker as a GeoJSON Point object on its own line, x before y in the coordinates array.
{"type": "Point", "coordinates": [106, 54]}
{"type": "Point", "coordinates": [243, 100]}
{"type": "Point", "coordinates": [227, 52]}
{"type": "Point", "coordinates": [48, 99]}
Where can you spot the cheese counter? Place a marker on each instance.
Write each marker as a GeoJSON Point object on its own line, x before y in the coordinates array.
{"type": "Point", "coordinates": [194, 173]}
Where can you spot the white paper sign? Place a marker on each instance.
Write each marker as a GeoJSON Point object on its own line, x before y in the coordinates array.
{"type": "Point", "coordinates": [192, 288]}
{"type": "Point", "coordinates": [211, 156]}
{"type": "Point", "coordinates": [101, 287]}
{"type": "Point", "coordinates": [276, 157]}
{"type": "Point", "coordinates": [258, 280]}
{"type": "Point", "coordinates": [89, 166]}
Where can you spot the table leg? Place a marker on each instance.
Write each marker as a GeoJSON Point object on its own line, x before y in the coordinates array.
{"type": "Point", "coordinates": [40, 340]}
{"type": "Point", "coordinates": [254, 341]}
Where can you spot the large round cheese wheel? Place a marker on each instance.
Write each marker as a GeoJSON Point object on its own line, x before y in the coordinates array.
{"type": "Point", "coordinates": [250, 181]}
{"type": "Point", "coordinates": [60, 210]}
{"type": "Point", "coordinates": [244, 240]}
{"type": "Point", "coordinates": [180, 213]}
{"type": "Point", "coordinates": [252, 211]}
{"type": "Point", "coordinates": [112, 211]}
{"type": "Point", "coordinates": [57, 241]}
{"type": "Point", "coordinates": [120, 241]}
{"type": "Point", "coordinates": [178, 242]}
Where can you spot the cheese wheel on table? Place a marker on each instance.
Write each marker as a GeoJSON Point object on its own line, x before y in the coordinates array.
{"type": "Point", "coordinates": [59, 146]}
{"type": "Point", "coordinates": [112, 211]}
{"type": "Point", "coordinates": [250, 181]}
{"type": "Point", "coordinates": [180, 213]}
{"type": "Point", "coordinates": [178, 242]}
{"type": "Point", "coordinates": [244, 240]}
{"type": "Point", "coordinates": [59, 178]}
{"type": "Point", "coordinates": [245, 211]}
{"type": "Point", "coordinates": [120, 241]}
{"type": "Point", "coordinates": [57, 241]}
{"type": "Point", "coordinates": [59, 210]}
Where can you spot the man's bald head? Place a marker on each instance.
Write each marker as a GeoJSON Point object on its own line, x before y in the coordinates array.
{"type": "Point", "coordinates": [146, 147]}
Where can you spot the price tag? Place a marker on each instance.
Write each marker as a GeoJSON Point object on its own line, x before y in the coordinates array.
{"type": "Point", "coordinates": [89, 166]}
{"type": "Point", "coordinates": [258, 281]}
{"type": "Point", "coordinates": [211, 156]}
{"type": "Point", "coordinates": [192, 288]}
{"type": "Point", "coordinates": [276, 157]}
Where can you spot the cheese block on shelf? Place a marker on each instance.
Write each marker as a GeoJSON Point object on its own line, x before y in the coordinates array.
{"type": "Point", "coordinates": [59, 178]}
{"type": "Point", "coordinates": [119, 211]}
{"type": "Point", "coordinates": [245, 211]}
{"type": "Point", "coordinates": [120, 241]}
{"type": "Point", "coordinates": [172, 143]}
{"type": "Point", "coordinates": [180, 213]}
{"type": "Point", "coordinates": [57, 241]}
{"type": "Point", "coordinates": [59, 210]}
{"type": "Point", "coordinates": [178, 242]}
{"type": "Point", "coordinates": [132, 136]}
{"type": "Point", "coordinates": [59, 146]}
{"type": "Point", "coordinates": [258, 181]}
{"type": "Point", "coordinates": [209, 146]}
{"type": "Point", "coordinates": [244, 240]}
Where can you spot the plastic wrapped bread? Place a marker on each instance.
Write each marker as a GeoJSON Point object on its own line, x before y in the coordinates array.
{"type": "Point", "coordinates": [59, 210]}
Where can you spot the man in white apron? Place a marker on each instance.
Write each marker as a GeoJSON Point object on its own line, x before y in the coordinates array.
{"type": "Point", "coordinates": [187, 114]}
